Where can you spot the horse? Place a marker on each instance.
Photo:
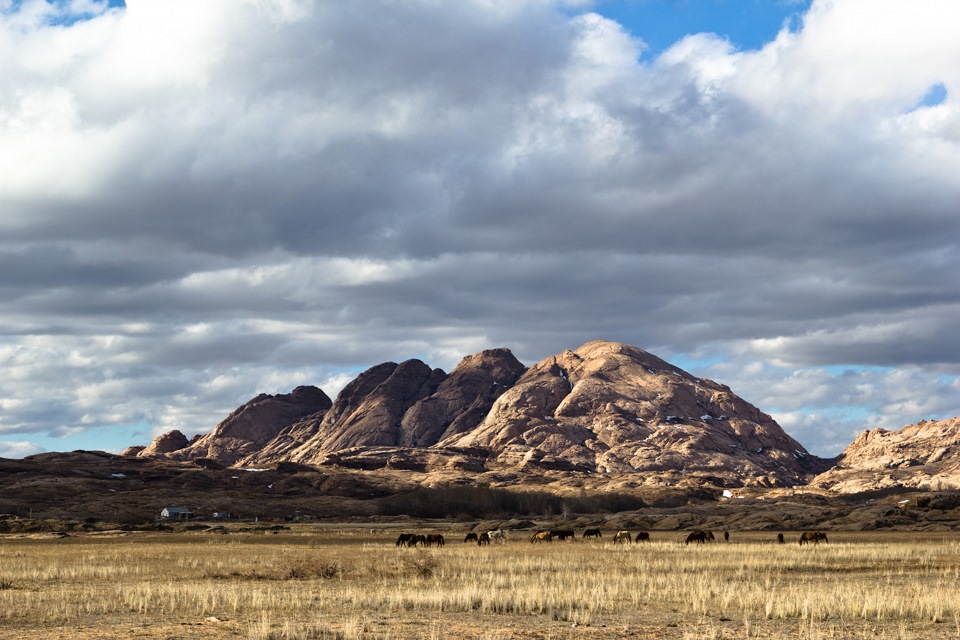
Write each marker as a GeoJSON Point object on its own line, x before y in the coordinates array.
{"type": "Point", "coordinates": [541, 536]}
{"type": "Point", "coordinates": [699, 537]}
{"type": "Point", "coordinates": [435, 538]}
{"type": "Point", "coordinates": [642, 536]}
{"type": "Point", "coordinates": [417, 539]}
{"type": "Point", "coordinates": [726, 536]}
{"type": "Point", "coordinates": [812, 536]}
{"type": "Point", "coordinates": [404, 540]}
{"type": "Point", "coordinates": [497, 535]}
{"type": "Point", "coordinates": [592, 533]}
{"type": "Point", "coordinates": [622, 536]}
{"type": "Point", "coordinates": [563, 534]}
{"type": "Point", "coordinates": [483, 538]}
{"type": "Point", "coordinates": [779, 538]}
{"type": "Point", "coordinates": [470, 537]}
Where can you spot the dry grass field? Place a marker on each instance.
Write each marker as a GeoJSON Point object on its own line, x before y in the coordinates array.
{"type": "Point", "coordinates": [336, 583]}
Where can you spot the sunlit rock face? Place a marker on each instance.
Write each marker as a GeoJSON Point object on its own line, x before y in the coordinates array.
{"type": "Point", "coordinates": [924, 455]}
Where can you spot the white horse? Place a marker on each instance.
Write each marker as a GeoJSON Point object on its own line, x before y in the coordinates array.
{"type": "Point", "coordinates": [497, 535]}
{"type": "Point", "coordinates": [622, 536]}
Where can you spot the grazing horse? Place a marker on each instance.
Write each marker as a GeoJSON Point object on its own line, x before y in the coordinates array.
{"type": "Point", "coordinates": [497, 535]}
{"type": "Point", "coordinates": [592, 533]}
{"type": "Point", "coordinates": [563, 534]}
{"type": "Point", "coordinates": [404, 540]}
{"type": "Point", "coordinates": [812, 536]}
{"type": "Point", "coordinates": [622, 536]}
{"type": "Point", "coordinates": [470, 537]}
{"type": "Point", "coordinates": [483, 538]}
{"type": "Point", "coordinates": [435, 538]}
{"type": "Point", "coordinates": [417, 539]}
{"type": "Point", "coordinates": [780, 538]}
{"type": "Point", "coordinates": [696, 536]}
{"type": "Point", "coordinates": [642, 536]}
{"type": "Point", "coordinates": [541, 536]}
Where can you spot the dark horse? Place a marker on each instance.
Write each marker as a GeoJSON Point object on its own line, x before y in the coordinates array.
{"type": "Point", "coordinates": [470, 537]}
{"type": "Point", "coordinates": [592, 533]}
{"type": "Point", "coordinates": [435, 538]}
{"type": "Point", "coordinates": [780, 538]}
{"type": "Point", "coordinates": [812, 536]}
{"type": "Point", "coordinates": [483, 538]}
{"type": "Point", "coordinates": [417, 539]}
{"type": "Point", "coordinates": [563, 534]}
{"type": "Point", "coordinates": [642, 536]}
{"type": "Point", "coordinates": [700, 537]}
{"type": "Point", "coordinates": [404, 539]}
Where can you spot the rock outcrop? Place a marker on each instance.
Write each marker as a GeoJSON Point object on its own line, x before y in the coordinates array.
{"type": "Point", "coordinates": [606, 408]}
{"type": "Point", "coordinates": [924, 455]}
{"type": "Point", "coordinates": [251, 427]}
{"type": "Point", "coordinates": [164, 444]}
{"type": "Point", "coordinates": [614, 408]}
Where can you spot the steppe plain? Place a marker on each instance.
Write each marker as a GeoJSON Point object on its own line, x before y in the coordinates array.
{"type": "Point", "coordinates": [348, 580]}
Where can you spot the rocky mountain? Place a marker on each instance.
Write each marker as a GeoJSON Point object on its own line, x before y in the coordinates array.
{"type": "Point", "coordinates": [924, 455]}
{"type": "Point", "coordinates": [614, 408]}
{"type": "Point", "coordinates": [245, 431]}
{"type": "Point", "coordinates": [606, 408]}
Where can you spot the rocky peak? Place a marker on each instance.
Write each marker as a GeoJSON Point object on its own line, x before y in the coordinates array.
{"type": "Point", "coordinates": [369, 410]}
{"type": "Point", "coordinates": [166, 443]}
{"type": "Point", "coordinates": [612, 407]}
{"type": "Point", "coordinates": [253, 425]}
{"type": "Point", "coordinates": [462, 400]}
{"type": "Point", "coordinates": [921, 455]}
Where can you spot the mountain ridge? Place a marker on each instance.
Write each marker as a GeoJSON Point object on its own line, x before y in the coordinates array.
{"type": "Point", "coordinates": [605, 407]}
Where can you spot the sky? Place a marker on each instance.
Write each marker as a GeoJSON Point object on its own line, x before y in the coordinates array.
{"type": "Point", "coordinates": [203, 201]}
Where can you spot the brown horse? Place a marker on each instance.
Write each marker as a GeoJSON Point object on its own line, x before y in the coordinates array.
{"type": "Point", "coordinates": [812, 536]}
{"type": "Point", "coordinates": [435, 538]}
{"type": "Point", "coordinates": [779, 538]}
{"type": "Point", "coordinates": [642, 536]}
{"type": "Point", "coordinates": [483, 538]}
{"type": "Point", "coordinates": [541, 536]}
{"type": "Point", "coordinates": [404, 539]}
{"type": "Point", "coordinates": [592, 533]}
{"type": "Point", "coordinates": [470, 537]}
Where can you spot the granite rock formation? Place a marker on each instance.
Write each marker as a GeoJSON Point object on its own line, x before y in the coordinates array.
{"type": "Point", "coordinates": [925, 455]}
{"type": "Point", "coordinates": [605, 408]}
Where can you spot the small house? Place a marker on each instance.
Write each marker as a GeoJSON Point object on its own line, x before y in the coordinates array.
{"type": "Point", "coordinates": [176, 513]}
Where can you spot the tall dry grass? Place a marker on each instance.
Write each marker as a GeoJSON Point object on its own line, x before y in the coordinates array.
{"type": "Point", "coordinates": [321, 586]}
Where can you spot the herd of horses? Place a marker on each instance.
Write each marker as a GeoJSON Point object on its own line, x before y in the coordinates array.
{"type": "Point", "coordinates": [620, 537]}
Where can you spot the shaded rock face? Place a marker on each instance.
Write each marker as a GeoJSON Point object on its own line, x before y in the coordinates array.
{"type": "Point", "coordinates": [605, 407]}
{"type": "Point", "coordinates": [369, 411]}
{"type": "Point", "coordinates": [462, 401]}
{"type": "Point", "coordinates": [407, 405]}
{"type": "Point", "coordinates": [923, 455]}
{"type": "Point", "coordinates": [252, 426]}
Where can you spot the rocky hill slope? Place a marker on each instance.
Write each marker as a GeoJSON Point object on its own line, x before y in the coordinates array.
{"type": "Point", "coordinates": [923, 455]}
{"type": "Point", "coordinates": [605, 408]}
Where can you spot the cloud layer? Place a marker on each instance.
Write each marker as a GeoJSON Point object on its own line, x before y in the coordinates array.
{"type": "Point", "coordinates": [202, 201]}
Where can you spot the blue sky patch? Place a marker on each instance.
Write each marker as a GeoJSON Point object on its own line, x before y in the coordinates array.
{"type": "Point", "coordinates": [748, 24]}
